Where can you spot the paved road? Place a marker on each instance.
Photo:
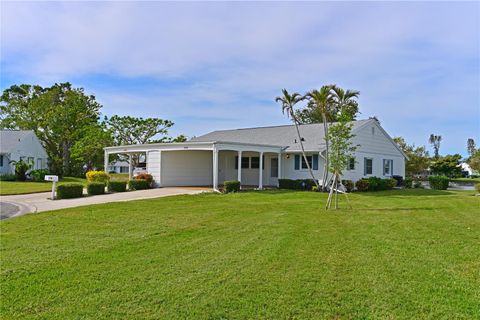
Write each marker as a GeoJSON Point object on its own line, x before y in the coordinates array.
{"type": "Point", "coordinates": [16, 205]}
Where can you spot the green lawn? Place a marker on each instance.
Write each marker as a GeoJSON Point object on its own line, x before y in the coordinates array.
{"type": "Point", "coordinates": [406, 254]}
{"type": "Point", "coordinates": [470, 180]}
{"type": "Point", "coordinates": [17, 187]}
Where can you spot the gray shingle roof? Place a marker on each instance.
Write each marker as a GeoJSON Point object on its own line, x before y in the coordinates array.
{"type": "Point", "coordinates": [285, 136]}
{"type": "Point", "coordinates": [9, 139]}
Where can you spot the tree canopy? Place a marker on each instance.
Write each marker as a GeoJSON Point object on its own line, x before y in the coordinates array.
{"type": "Point", "coordinates": [418, 157]}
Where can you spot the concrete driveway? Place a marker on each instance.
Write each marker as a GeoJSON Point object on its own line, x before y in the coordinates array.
{"type": "Point", "coordinates": [16, 205]}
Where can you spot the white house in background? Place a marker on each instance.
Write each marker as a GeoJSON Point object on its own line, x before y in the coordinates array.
{"type": "Point", "coordinates": [118, 167]}
{"type": "Point", "coordinates": [466, 168]}
{"type": "Point", "coordinates": [20, 144]}
{"type": "Point", "coordinates": [260, 156]}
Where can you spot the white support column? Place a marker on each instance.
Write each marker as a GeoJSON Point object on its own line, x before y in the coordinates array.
{"type": "Point", "coordinates": [260, 172]}
{"type": "Point", "coordinates": [215, 169]}
{"type": "Point", "coordinates": [279, 175]}
{"type": "Point", "coordinates": [130, 166]}
{"type": "Point", "coordinates": [239, 165]}
{"type": "Point", "coordinates": [160, 168]}
{"type": "Point", "coordinates": [105, 161]}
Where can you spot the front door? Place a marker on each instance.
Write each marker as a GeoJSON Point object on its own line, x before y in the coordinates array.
{"type": "Point", "coordinates": [273, 171]}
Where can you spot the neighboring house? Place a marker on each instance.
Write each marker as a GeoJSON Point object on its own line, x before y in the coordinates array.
{"type": "Point", "coordinates": [16, 145]}
{"type": "Point", "coordinates": [467, 169]}
{"type": "Point", "coordinates": [118, 167]}
{"type": "Point", "coordinates": [260, 156]}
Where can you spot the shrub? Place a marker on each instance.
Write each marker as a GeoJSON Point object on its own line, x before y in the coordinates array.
{"type": "Point", "coordinates": [231, 186]}
{"type": "Point", "coordinates": [375, 184]}
{"type": "Point", "coordinates": [315, 189]}
{"type": "Point", "coordinates": [299, 184]}
{"type": "Point", "coordinates": [399, 180]}
{"type": "Point", "coordinates": [390, 183]}
{"type": "Point", "coordinates": [408, 183]}
{"type": "Point", "coordinates": [362, 185]}
{"type": "Point", "coordinates": [417, 184]}
{"type": "Point", "coordinates": [138, 184]}
{"type": "Point", "coordinates": [145, 176]}
{"type": "Point", "coordinates": [117, 186]}
{"type": "Point", "coordinates": [21, 168]}
{"type": "Point", "coordinates": [7, 177]}
{"type": "Point", "coordinates": [438, 182]}
{"type": "Point", "coordinates": [477, 187]}
{"type": "Point", "coordinates": [38, 175]}
{"type": "Point", "coordinates": [348, 185]}
{"type": "Point", "coordinates": [94, 188]}
{"type": "Point", "coordinates": [97, 176]}
{"type": "Point", "coordinates": [70, 190]}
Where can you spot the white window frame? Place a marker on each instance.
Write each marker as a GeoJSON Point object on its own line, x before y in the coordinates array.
{"type": "Point", "coordinates": [350, 168]}
{"type": "Point", "coordinates": [365, 166]}
{"type": "Point", "coordinates": [388, 162]}
{"type": "Point", "coordinates": [302, 162]}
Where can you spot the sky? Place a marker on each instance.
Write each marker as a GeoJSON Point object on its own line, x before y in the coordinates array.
{"type": "Point", "coordinates": [217, 65]}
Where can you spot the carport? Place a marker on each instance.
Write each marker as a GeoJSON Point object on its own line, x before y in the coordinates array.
{"type": "Point", "coordinates": [206, 163]}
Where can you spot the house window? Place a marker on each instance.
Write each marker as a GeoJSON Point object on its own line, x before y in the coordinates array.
{"type": "Point", "coordinates": [39, 163]}
{"type": "Point", "coordinates": [245, 163]}
{"type": "Point", "coordinates": [1, 160]}
{"type": "Point", "coordinates": [368, 166]}
{"type": "Point", "coordinates": [304, 164]}
{"type": "Point", "coordinates": [387, 167]}
{"type": "Point", "coordinates": [122, 169]}
{"type": "Point", "coordinates": [255, 162]}
{"type": "Point", "coordinates": [351, 164]}
{"type": "Point", "coordinates": [31, 160]}
{"type": "Point", "coordinates": [312, 161]}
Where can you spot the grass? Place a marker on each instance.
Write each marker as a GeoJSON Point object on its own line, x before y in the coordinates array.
{"type": "Point", "coordinates": [18, 187]}
{"type": "Point", "coordinates": [406, 254]}
{"type": "Point", "coordinates": [470, 180]}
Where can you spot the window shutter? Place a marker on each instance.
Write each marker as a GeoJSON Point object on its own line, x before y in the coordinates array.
{"type": "Point", "coordinates": [236, 163]}
{"type": "Point", "coordinates": [384, 168]}
{"type": "Point", "coordinates": [364, 166]}
{"type": "Point", "coordinates": [297, 162]}
{"type": "Point", "coordinates": [391, 167]}
{"type": "Point", "coordinates": [315, 162]}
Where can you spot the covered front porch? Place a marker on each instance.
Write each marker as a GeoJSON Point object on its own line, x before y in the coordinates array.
{"type": "Point", "coordinates": [207, 163]}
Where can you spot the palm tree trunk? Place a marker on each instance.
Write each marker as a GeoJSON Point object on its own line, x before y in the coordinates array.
{"type": "Point", "coordinates": [303, 152]}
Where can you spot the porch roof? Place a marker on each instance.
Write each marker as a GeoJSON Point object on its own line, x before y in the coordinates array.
{"type": "Point", "coordinates": [194, 145]}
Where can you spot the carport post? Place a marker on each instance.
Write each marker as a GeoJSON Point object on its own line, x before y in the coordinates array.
{"type": "Point", "coordinates": [239, 165]}
{"type": "Point", "coordinates": [130, 166]}
{"type": "Point", "coordinates": [215, 169]}
{"type": "Point", "coordinates": [105, 161]}
{"type": "Point", "coordinates": [279, 175]}
{"type": "Point", "coordinates": [260, 172]}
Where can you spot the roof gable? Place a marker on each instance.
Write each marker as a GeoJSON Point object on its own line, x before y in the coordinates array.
{"type": "Point", "coordinates": [11, 139]}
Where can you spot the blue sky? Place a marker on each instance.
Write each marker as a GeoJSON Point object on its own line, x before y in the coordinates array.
{"type": "Point", "coordinates": [216, 65]}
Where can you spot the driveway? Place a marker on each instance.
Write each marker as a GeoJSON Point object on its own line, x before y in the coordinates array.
{"type": "Point", "coordinates": [16, 205]}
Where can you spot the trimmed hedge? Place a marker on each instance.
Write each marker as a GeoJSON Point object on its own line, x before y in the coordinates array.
{"type": "Point", "coordinates": [97, 176]}
{"type": "Point", "coordinates": [375, 184]}
{"type": "Point", "coordinates": [145, 176]}
{"type": "Point", "coordinates": [69, 191]}
{"type": "Point", "coordinates": [408, 183]}
{"type": "Point", "coordinates": [138, 184]}
{"type": "Point", "coordinates": [362, 185]}
{"type": "Point", "coordinates": [438, 182]}
{"type": "Point", "coordinates": [348, 184]}
{"type": "Point", "coordinates": [117, 186]}
{"type": "Point", "coordinates": [94, 188]}
{"type": "Point", "coordinates": [8, 177]}
{"type": "Point", "coordinates": [299, 184]}
{"type": "Point", "coordinates": [231, 186]}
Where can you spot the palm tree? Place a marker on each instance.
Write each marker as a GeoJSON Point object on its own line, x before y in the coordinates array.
{"type": "Point", "coordinates": [435, 142]}
{"type": "Point", "coordinates": [323, 101]}
{"type": "Point", "coordinates": [345, 100]}
{"type": "Point", "coordinates": [288, 102]}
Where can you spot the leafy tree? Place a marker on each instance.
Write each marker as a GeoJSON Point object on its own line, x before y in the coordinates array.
{"type": "Point", "coordinates": [88, 150]}
{"type": "Point", "coordinates": [341, 151]}
{"type": "Point", "coordinates": [418, 157]}
{"type": "Point", "coordinates": [288, 102]}
{"type": "Point", "coordinates": [474, 161]}
{"type": "Point", "coordinates": [127, 130]}
{"type": "Point", "coordinates": [58, 115]}
{"type": "Point", "coordinates": [435, 140]}
{"type": "Point", "coordinates": [347, 105]}
{"type": "Point", "coordinates": [471, 148]}
{"type": "Point", "coordinates": [448, 166]}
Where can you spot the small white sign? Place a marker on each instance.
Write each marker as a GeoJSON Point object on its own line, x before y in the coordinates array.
{"type": "Point", "coordinates": [51, 178]}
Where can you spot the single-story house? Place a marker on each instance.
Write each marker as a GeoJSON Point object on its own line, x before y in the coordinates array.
{"type": "Point", "coordinates": [118, 166]}
{"type": "Point", "coordinates": [260, 156]}
{"type": "Point", "coordinates": [18, 145]}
